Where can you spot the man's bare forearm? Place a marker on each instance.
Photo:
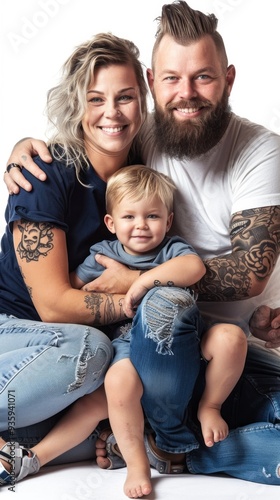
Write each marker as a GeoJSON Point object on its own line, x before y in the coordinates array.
{"type": "Point", "coordinates": [255, 237]}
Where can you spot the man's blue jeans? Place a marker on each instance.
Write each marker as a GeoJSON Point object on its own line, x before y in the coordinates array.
{"type": "Point", "coordinates": [252, 449]}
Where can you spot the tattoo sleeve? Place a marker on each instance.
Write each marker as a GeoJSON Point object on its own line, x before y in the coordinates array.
{"type": "Point", "coordinates": [255, 238]}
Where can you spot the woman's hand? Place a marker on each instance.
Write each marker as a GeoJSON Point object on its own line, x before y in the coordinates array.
{"type": "Point", "coordinates": [265, 325]}
{"type": "Point", "coordinates": [21, 155]}
{"type": "Point", "coordinates": [116, 278]}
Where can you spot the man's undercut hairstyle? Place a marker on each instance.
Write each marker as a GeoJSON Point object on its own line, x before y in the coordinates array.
{"type": "Point", "coordinates": [186, 25]}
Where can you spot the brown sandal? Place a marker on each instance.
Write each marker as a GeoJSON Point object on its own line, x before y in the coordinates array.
{"type": "Point", "coordinates": [161, 464]}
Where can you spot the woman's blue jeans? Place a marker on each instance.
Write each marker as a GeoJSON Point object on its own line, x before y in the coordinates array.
{"type": "Point", "coordinates": [168, 366]}
{"type": "Point", "coordinates": [44, 368]}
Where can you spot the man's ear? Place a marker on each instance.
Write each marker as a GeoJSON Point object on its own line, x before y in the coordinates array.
{"type": "Point", "coordinates": [108, 219]}
{"type": "Point", "coordinates": [169, 221]}
{"type": "Point", "coordinates": [150, 78]}
{"type": "Point", "coordinates": [230, 77]}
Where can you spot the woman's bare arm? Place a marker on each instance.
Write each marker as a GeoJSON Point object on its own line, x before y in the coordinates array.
{"type": "Point", "coordinates": [42, 257]}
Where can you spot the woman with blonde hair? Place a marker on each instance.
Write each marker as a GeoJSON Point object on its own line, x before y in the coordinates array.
{"type": "Point", "coordinates": [53, 350]}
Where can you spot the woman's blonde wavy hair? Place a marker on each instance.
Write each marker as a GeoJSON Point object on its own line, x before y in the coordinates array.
{"type": "Point", "coordinates": [66, 103]}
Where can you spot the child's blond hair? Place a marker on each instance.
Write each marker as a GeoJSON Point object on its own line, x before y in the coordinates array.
{"type": "Point", "coordinates": [139, 182]}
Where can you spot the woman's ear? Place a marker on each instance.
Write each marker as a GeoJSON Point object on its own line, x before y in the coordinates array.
{"type": "Point", "coordinates": [108, 219]}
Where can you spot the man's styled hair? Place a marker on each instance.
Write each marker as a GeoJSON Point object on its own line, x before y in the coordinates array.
{"type": "Point", "coordinates": [186, 26]}
{"type": "Point", "coordinates": [138, 182]}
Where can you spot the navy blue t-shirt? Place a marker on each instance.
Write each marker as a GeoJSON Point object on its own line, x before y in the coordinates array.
{"type": "Point", "coordinates": [63, 201]}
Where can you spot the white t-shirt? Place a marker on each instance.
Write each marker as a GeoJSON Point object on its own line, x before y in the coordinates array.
{"type": "Point", "coordinates": [241, 172]}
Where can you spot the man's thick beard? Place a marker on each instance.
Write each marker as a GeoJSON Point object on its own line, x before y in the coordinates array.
{"type": "Point", "coordinates": [192, 138]}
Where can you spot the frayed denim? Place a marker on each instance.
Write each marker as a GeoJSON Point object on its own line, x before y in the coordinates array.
{"type": "Point", "coordinates": [46, 367]}
{"type": "Point", "coordinates": [252, 449]}
{"type": "Point", "coordinates": [164, 350]}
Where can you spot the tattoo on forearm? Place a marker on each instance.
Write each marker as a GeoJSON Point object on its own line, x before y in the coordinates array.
{"type": "Point", "coordinates": [109, 310]}
{"type": "Point", "coordinates": [36, 240]}
{"type": "Point", "coordinates": [94, 301]}
{"type": "Point", "coordinates": [255, 236]}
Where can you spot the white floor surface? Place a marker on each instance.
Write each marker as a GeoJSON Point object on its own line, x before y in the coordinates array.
{"type": "Point", "coordinates": [85, 481]}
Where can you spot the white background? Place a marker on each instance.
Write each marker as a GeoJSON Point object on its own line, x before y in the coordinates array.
{"type": "Point", "coordinates": [37, 36]}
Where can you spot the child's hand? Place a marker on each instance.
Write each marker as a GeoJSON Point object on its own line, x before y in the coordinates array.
{"type": "Point", "coordinates": [133, 299]}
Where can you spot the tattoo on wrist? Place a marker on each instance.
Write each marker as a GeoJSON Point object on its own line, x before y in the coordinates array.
{"type": "Point", "coordinates": [158, 283]}
{"type": "Point", "coordinates": [93, 303]}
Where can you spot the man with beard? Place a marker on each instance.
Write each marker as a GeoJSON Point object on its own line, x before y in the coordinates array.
{"type": "Point", "coordinates": [227, 173]}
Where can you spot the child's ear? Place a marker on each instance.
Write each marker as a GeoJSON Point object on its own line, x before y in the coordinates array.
{"type": "Point", "coordinates": [169, 221]}
{"type": "Point", "coordinates": [108, 219]}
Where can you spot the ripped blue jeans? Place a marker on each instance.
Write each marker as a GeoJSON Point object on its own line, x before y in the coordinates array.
{"type": "Point", "coordinates": [43, 369]}
{"type": "Point", "coordinates": [164, 349]}
{"type": "Point", "coordinates": [252, 449]}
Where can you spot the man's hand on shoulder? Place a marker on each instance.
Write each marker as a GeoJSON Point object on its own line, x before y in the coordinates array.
{"type": "Point", "coordinates": [21, 156]}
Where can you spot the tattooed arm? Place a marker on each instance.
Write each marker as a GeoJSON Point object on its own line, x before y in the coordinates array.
{"type": "Point", "coordinates": [42, 257]}
{"type": "Point", "coordinates": [255, 237]}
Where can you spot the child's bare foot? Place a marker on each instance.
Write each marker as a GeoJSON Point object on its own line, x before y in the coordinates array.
{"type": "Point", "coordinates": [213, 426]}
{"type": "Point", "coordinates": [138, 481]}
